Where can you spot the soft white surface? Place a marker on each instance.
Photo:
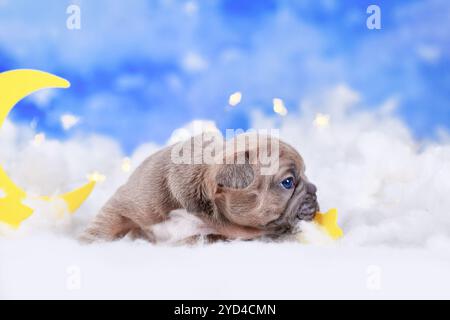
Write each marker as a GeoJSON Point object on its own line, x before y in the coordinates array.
{"type": "Point", "coordinates": [391, 192]}
{"type": "Point", "coordinates": [45, 267]}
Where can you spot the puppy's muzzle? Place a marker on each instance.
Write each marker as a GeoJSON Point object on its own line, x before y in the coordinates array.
{"type": "Point", "coordinates": [309, 206]}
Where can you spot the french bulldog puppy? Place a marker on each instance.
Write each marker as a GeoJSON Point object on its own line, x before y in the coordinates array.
{"type": "Point", "coordinates": [248, 187]}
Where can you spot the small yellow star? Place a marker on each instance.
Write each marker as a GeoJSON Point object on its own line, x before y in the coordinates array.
{"type": "Point", "coordinates": [328, 222]}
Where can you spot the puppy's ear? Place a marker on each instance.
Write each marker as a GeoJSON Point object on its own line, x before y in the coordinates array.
{"type": "Point", "coordinates": [235, 176]}
{"type": "Point", "coordinates": [231, 201]}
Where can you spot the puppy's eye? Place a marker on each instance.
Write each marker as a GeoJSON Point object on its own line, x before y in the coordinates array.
{"type": "Point", "coordinates": [288, 183]}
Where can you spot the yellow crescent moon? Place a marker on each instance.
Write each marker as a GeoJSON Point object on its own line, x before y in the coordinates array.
{"type": "Point", "coordinates": [14, 86]}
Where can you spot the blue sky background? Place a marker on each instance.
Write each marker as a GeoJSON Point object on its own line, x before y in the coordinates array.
{"type": "Point", "coordinates": [140, 69]}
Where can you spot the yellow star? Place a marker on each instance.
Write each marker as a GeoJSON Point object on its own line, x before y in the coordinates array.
{"type": "Point", "coordinates": [12, 210]}
{"type": "Point", "coordinates": [328, 222]}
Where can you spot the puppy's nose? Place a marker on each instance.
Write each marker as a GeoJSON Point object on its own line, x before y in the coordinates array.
{"type": "Point", "coordinates": [310, 188]}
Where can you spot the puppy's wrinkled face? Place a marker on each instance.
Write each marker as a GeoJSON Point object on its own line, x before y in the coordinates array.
{"type": "Point", "coordinates": [274, 203]}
